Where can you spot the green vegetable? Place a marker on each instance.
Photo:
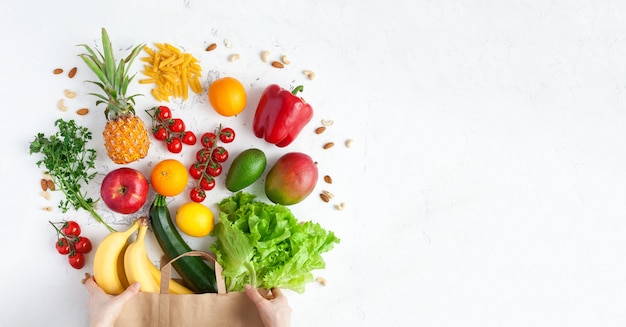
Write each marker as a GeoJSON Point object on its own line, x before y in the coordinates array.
{"type": "Point", "coordinates": [266, 246]}
{"type": "Point", "coordinates": [193, 270]}
{"type": "Point", "coordinates": [68, 160]}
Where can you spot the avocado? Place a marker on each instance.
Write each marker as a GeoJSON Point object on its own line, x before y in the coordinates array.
{"type": "Point", "coordinates": [246, 168]}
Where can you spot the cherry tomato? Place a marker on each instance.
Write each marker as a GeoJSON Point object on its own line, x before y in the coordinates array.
{"type": "Point", "coordinates": [195, 171]}
{"type": "Point", "coordinates": [76, 259]}
{"type": "Point", "coordinates": [189, 138]}
{"type": "Point", "coordinates": [207, 183]}
{"type": "Point", "coordinates": [214, 169]}
{"type": "Point", "coordinates": [177, 125]}
{"type": "Point", "coordinates": [220, 154]}
{"type": "Point", "coordinates": [203, 155]}
{"type": "Point", "coordinates": [70, 228]}
{"type": "Point", "coordinates": [63, 246]}
{"type": "Point", "coordinates": [174, 145]}
{"type": "Point", "coordinates": [197, 195]}
{"type": "Point", "coordinates": [227, 135]}
{"type": "Point", "coordinates": [160, 133]}
{"type": "Point", "coordinates": [163, 113]}
{"type": "Point", "coordinates": [208, 140]}
{"type": "Point", "coordinates": [83, 245]}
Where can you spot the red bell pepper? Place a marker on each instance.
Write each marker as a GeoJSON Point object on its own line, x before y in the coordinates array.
{"type": "Point", "coordinates": [281, 115]}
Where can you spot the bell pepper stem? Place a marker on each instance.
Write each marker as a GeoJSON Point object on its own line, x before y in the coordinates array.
{"type": "Point", "coordinates": [297, 89]}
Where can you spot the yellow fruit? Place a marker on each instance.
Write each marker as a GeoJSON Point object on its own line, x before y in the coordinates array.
{"type": "Point", "coordinates": [195, 219]}
{"type": "Point", "coordinates": [169, 177]}
{"type": "Point", "coordinates": [227, 96]}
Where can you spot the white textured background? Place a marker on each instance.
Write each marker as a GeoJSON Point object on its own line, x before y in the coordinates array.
{"type": "Point", "coordinates": [485, 188]}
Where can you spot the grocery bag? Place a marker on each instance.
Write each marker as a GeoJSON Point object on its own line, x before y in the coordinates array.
{"type": "Point", "coordinates": [181, 310]}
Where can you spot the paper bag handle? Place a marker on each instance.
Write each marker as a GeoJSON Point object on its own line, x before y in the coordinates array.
{"type": "Point", "coordinates": [166, 271]}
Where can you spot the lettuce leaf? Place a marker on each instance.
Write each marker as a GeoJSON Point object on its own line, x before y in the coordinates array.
{"type": "Point", "coordinates": [265, 245]}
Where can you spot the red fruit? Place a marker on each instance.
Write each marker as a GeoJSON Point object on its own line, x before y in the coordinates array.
{"type": "Point", "coordinates": [83, 245]}
{"type": "Point", "coordinates": [63, 246]}
{"type": "Point", "coordinates": [188, 138]}
{"type": "Point", "coordinates": [163, 113]}
{"type": "Point", "coordinates": [291, 179]}
{"type": "Point", "coordinates": [70, 228]}
{"type": "Point", "coordinates": [76, 260]}
{"type": "Point", "coordinates": [197, 195]}
{"type": "Point", "coordinates": [177, 126]}
{"type": "Point", "coordinates": [174, 145]}
{"type": "Point", "coordinates": [207, 183]}
{"type": "Point", "coordinates": [124, 190]}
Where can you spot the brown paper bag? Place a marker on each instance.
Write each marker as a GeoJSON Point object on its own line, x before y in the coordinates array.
{"type": "Point", "coordinates": [208, 309]}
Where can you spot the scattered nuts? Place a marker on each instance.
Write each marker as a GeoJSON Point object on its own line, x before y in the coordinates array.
{"type": "Point", "coordinates": [309, 74]}
{"type": "Point", "coordinates": [328, 145]}
{"type": "Point", "coordinates": [227, 43]}
{"type": "Point", "coordinates": [82, 111]}
{"type": "Point", "coordinates": [45, 194]}
{"type": "Point", "coordinates": [50, 185]}
{"type": "Point", "coordinates": [61, 105]}
{"type": "Point", "coordinates": [265, 56]}
{"type": "Point", "coordinates": [349, 143]}
{"type": "Point", "coordinates": [321, 280]}
{"type": "Point", "coordinates": [46, 176]}
{"type": "Point", "coordinates": [44, 185]}
{"type": "Point", "coordinates": [48, 208]}
{"type": "Point", "coordinates": [328, 194]}
{"type": "Point", "coordinates": [285, 60]}
{"type": "Point", "coordinates": [72, 72]}
{"type": "Point", "coordinates": [324, 197]}
{"type": "Point", "coordinates": [211, 47]}
{"type": "Point", "coordinates": [327, 122]}
{"type": "Point", "coordinates": [233, 57]}
{"type": "Point", "coordinates": [340, 206]}
{"type": "Point", "coordinates": [58, 71]}
{"type": "Point", "coordinates": [69, 94]}
{"type": "Point", "coordinates": [320, 130]}
{"type": "Point", "coordinates": [328, 179]}
{"type": "Point", "coordinates": [277, 64]}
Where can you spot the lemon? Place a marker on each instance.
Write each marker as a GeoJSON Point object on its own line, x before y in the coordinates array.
{"type": "Point", "coordinates": [195, 219]}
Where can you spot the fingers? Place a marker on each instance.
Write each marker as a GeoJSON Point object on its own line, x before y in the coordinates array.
{"type": "Point", "coordinates": [129, 292]}
{"type": "Point", "coordinates": [254, 294]}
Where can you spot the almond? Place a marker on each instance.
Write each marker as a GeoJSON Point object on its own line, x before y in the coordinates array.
{"type": "Point", "coordinates": [324, 197]}
{"type": "Point", "coordinates": [328, 179]}
{"type": "Point", "coordinates": [328, 145]}
{"type": "Point", "coordinates": [44, 185]}
{"type": "Point", "coordinates": [72, 72]}
{"type": "Point", "coordinates": [211, 47]}
{"type": "Point", "coordinates": [58, 71]}
{"type": "Point", "coordinates": [51, 186]}
{"type": "Point", "coordinates": [320, 130]}
{"type": "Point", "coordinates": [82, 111]}
{"type": "Point", "coordinates": [277, 64]}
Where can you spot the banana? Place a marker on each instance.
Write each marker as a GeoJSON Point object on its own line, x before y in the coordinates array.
{"type": "Point", "coordinates": [175, 287]}
{"type": "Point", "coordinates": [106, 259]}
{"type": "Point", "coordinates": [136, 262]}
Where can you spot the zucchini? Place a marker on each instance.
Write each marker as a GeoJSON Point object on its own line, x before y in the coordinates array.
{"type": "Point", "coordinates": [194, 271]}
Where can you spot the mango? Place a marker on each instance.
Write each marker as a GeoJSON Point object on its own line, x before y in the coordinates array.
{"type": "Point", "coordinates": [246, 168]}
{"type": "Point", "coordinates": [291, 179]}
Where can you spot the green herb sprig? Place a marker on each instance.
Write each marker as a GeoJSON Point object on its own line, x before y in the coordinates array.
{"type": "Point", "coordinates": [68, 161]}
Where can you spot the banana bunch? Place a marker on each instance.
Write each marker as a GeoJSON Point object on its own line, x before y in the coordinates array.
{"type": "Point", "coordinates": [118, 263]}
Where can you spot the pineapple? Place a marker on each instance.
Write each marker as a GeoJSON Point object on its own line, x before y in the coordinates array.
{"type": "Point", "coordinates": [126, 138]}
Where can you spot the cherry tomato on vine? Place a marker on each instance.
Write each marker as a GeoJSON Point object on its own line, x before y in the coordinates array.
{"type": "Point", "coordinates": [189, 138]}
{"type": "Point", "coordinates": [207, 183]}
{"type": "Point", "coordinates": [70, 228]}
{"type": "Point", "coordinates": [174, 145]}
{"type": "Point", "coordinates": [203, 155]}
{"type": "Point", "coordinates": [62, 245]}
{"type": "Point", "coordinates": [76, 260]}
{"type": "Point", "coordinates": [220, 154]}
{"type": "Point", "coordinates": [163, 113]}
{"type": "Point", "coordinates": [208, 139]}
{"type": "Point", "coordinates": [160, 133]}
{"type": "Point", "coordinates": [227, 135]}
{"type": "Point", "coordinates": [83, 245]}
{"type": "Point", "coordinates": [195, 171]}
{"type": "Point", "coordinates": [197, 195]}
{"type": "Point", "coordinates": [177, 125]}
{"type": "Point", "coordinates": [214, 169]}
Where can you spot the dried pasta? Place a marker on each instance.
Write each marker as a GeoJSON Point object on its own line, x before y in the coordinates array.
{"type": "Point", "coordinates": [172, 71]}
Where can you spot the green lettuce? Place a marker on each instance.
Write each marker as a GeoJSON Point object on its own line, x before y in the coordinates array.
{"type": "Point", "coordinates": [266, 246]}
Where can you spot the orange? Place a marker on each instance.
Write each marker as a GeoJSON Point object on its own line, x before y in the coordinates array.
{"type": "Point", "coordinates": [169, 177]}
{"type": "Point", "coordinates": [227, 96]}
{"type": "Point", "coordinates": [195, 219]}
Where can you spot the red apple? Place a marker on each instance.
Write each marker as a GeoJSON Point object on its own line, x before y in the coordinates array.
{"type": "Point", "coordinates": [124, 190]}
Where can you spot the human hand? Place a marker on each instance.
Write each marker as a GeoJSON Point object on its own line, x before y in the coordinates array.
{"type": "Point", "coordinates": [275, 310]}
{"type": "Point", "coordinates": [104, 308]}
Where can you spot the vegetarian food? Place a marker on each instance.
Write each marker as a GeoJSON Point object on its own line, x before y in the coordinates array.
{"type": "Point", "coordinates": [292, 178]}
{"type": "Point", "coordinates": [169, 177]}
{"type": "Point", "coordinates": [170, 130]}
{"type": "Point", "coordinates": [68, 161]}
{"type": "Point", "coordinates": [196, 274]}
{"type": "Point", "coordinates": [125, 135]}
{"type": "Point", "coordinates": [71, 243]}
{"type": "Point", "coordinates": [266, 246]}
{"type": "Point", "coordinates": [194, 219]}
{"type": "Point", "coordinates": [124, 190]}
{"type": "Point", "coordinates": [245, 169]}
{"type": "Point", "coordinates": [281, 115]}
{"type": "Point", "coordinates": [227, 96]}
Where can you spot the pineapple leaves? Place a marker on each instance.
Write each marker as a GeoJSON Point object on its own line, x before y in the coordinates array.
{"type": "Point", "coordinates": [109, 61]}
